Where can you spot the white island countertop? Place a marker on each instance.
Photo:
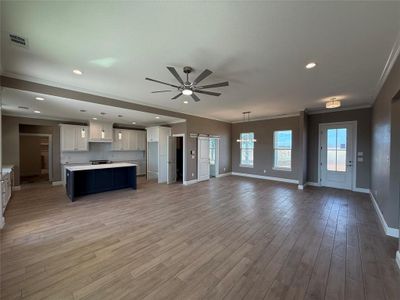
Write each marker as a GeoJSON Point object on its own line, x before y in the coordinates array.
{"type": "Point", "coordinates": [101, 166]}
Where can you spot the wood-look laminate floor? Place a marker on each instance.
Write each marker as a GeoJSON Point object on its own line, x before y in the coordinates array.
{"type": "Point", "coordinates": [229, 238]}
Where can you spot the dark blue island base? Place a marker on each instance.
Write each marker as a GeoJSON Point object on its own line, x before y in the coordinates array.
{"type": "Point", "coordinates": [85, 182]}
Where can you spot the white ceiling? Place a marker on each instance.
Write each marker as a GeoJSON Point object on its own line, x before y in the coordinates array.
{"type": "Point", "coordinates": [63, 109]}
{"type": "Point", "coordinates": [260, 47]}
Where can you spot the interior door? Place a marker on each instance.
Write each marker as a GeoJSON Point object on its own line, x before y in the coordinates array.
{"type": "Point", "coordinates": [203, 158]}
{"type": "Point", "coordinates": [337, 155]}
{"type": "Point", "coordinates": [171, 160]}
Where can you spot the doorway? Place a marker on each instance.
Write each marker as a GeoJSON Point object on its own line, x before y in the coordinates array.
{"type": "Point", "coordinates": [176, 159]}
{"type": "Point", "coordinates": [337, 167]}
{"type": "Point", "coordinates": [35, 158]}
{"type": "Point", "coordinates": [214, 157]}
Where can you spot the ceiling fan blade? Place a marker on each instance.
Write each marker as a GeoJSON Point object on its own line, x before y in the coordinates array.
{"type": "Point", "coordinates": [162, 91]}
{"type": "Point", "coordinates": [195, 98]}
{"type": "Point", "coordinates": [203, 75]}
{"type": "Point", "coordinates": [158, 81]}
{"type": "Point", "coordinates": [175, 73]}
{"type": "Point", "coordinates": [207, 93]}
{"type": "Point", "coordinates": [214, 85]}
{"type": "Point", "coordinates": [177, 96]}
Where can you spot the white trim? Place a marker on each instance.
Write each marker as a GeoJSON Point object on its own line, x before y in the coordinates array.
{"type": "Point", "coordinates": [390, 231]}
{"type": "Point", "coordinates": [246, 166]}
{"type": "Point", "coordinates": [268, 118]}
{"type": "Point", "coordinates": [312, 184]}
{"type": "Point", "coordinates": [189, 182]}
{"type": "Point", "coordinates": [361, 190]}
{"type": "Point", "coordinates": [301, 186]}
{"type": "Point", "coordinates": [224, 174]}
{"type": "Point", "coordinates": [183, 135]}
{"type": "Point", "coordinates": [354, 125]}
{"type": "Point", "coordinates": [394, 53]}
{"type": "Point", "coordinates": [16, 188]}
{"type": "Point", "coordinates": [55, 183]}
{"type": "Point", "coordinates": [2, 222]}
{"type": "Point", "coordinates": [327, 110]}
{"type": "Point", "coordinates": [398, 259]}
{"type": "Point", "coordinates": [266, 177]}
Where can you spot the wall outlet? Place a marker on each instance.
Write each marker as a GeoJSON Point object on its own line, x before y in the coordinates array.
{"type": "Point", "coordinates": [265, 171]}
{"type": "Point", "coordinates": [192, 174]}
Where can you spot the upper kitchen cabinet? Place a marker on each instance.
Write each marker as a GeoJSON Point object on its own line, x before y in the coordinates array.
{"type": "Point", "coordinates": [129, 140]}
{"type": "Point", "coordinates": [100, 132]}
{"type": "Point", "coordinates": [74, 137]}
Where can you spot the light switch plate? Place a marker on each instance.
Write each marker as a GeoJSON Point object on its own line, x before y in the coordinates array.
{"type": "Point", "coordinates": [360, 159]}
{"type": "Point", "coordinates": [360, 153]}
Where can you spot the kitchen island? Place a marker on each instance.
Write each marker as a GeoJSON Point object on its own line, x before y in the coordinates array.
{"type": "Point", "coordinates": [89, 179]}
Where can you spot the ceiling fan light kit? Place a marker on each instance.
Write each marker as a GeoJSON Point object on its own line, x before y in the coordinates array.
{"type": "Point", "coordinates": [188, 88]}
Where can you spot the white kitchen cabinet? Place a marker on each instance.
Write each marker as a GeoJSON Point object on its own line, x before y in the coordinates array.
{"type": "Point", "coordinates": [153, 134]}
{"type": "Point", "coordinates": [100, 131]}
{"type": "Point", "coordinates": [141, 140]}
{"type": "Point", "coordinates": [129, 140]}
{"type": "Point", "coordinates": [73, 137]}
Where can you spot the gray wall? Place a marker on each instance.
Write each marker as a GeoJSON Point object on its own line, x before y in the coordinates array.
{"type": "Point", "coordinates": [10, 141]}
{"type": "Point", "coordinates": [385, 177]}
{"type": "Point", "coordinates": [303, 140]}
{"type": "Point", "coordinates": [263, 149]}
{"type": "Point", "coordinates": [363, 118]}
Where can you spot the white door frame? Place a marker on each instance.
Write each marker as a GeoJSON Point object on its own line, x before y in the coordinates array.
{"type": "Point", "coordinates": [50, 149]}
{"type": "Point", "coordinates": [354, 156]}
{"type": "Point", "coordinates": [184, 154]}
{"type": "Point", "coordinates": [216, 156]}
{"type": "Point", "coordinates": [198, 160]}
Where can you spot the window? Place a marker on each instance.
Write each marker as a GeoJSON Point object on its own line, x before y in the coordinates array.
{"type": "Point", "coordinates": [247, 149]}
{"type": "Point", "coordinates": [337, 149]}
{"type": "Point", "coordinates": [213, 150]}
{"type": "Point", "coordinates": [283, 150]}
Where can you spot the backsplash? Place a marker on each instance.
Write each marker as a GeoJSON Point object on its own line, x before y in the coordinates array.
{"type": "Point", "coordinates": [101, 151]}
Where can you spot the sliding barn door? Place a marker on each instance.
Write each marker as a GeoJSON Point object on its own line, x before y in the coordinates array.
{"type": "Point", "coordinates": [203, 158]}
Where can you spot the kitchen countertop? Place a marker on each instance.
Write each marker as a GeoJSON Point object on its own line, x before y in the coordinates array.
{"type": "Point", "coordinates": [94, 167]}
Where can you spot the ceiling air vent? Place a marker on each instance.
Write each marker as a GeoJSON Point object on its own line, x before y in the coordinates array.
{"type": "Point", "coordinates": [18, 41]}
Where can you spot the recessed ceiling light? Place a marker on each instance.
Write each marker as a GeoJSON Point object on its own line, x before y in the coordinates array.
{"type": "Point", "coordinates": [120, 116]}
{"type": "Point", "coordinates": [186, 102]}
{"type": "Point", "coordinates": [133, 123]}
{"type": "Point", "coordinates": [103, 113]}
{"type": "Point", "coordinates": [82, 110]}
{"type": "Point", "coordinates": [157, 117]}
{"type": "Point", "coordinates": [94, 118]}
{"type": "Point", "coordinates": [39, 98]}
{"type": "Point", "coordinates": [77, 72]}
{"type": "Point", "coordinates": [187, 92]}
{"type": "Point", "coordinates": [36, 111]}
{"type": "Point", "coordinates": [311, 65]}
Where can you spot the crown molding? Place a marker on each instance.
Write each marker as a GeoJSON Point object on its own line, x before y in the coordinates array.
{"type": "Point", "coordinates": [326, 110]}
{"type": "Point", "coordinates": [393, 55]}
{"type": "Point", "coordinates": [269, 118]}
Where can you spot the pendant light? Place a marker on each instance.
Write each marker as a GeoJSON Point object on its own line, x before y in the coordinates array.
{"type": "Point", "coordinates": [246, 118]}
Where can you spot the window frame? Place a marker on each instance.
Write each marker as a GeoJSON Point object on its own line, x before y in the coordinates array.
{"type": "Point", "coordinates": [241, 164]}
{"type": "Point", "coordinates": [279, 168]}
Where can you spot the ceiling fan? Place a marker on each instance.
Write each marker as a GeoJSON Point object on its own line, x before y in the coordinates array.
{"type": "Point", "coordinates": [190, 88]}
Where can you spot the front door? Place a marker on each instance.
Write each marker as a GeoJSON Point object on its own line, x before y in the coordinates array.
{"type": "Point", "coordinates": [203, 159]}
{"type": "Point", "coordinates": [337, 155]}
{"type": "Point", "coordinates": [171, 160]}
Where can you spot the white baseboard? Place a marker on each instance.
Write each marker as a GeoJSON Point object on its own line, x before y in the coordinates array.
{"type": "Point", "coordinates": [16, 188]}
{"type": "Point", "coordinates": [266, 177]}
{"type": "Point", "coordinates": [390, 231]}
{"type": "Point", "coordinates": [398, 258]}
{"type": "Point", "coordinates": [361, 190]}
{"type": "Point", "coordinates": [57, 183]}
{"type": "Point", "coordinates": [224, 174]}
{"type": "Point", "coordinates": [2, 223]}
{"type": "Point", "coordinates": [189, 182]}
{"type": "Point", "coordinates": [301, 186]}
{"type": "Point", "coordinates": [312, 184]}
